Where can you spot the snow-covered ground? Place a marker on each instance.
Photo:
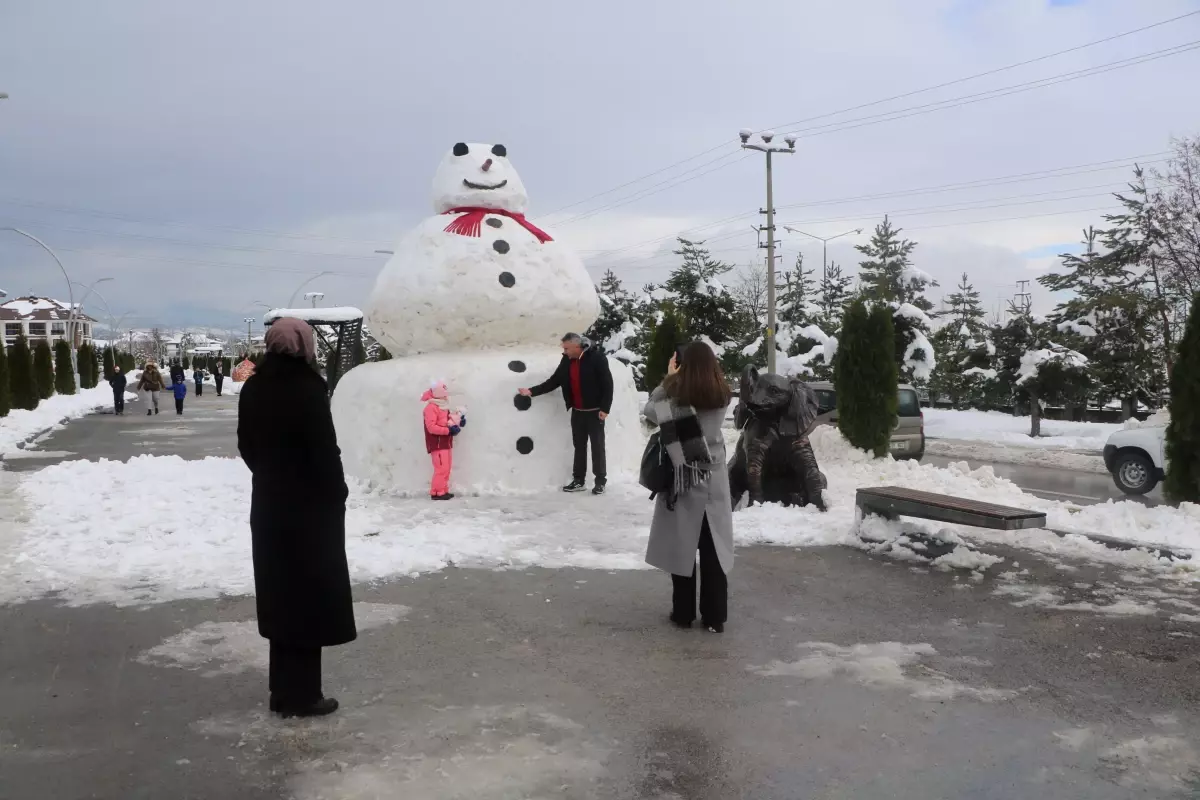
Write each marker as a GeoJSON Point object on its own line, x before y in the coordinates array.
{"type": "Point", "coordinates": [995, 427]}
{"type": "Point", "coordinates": [109, 532]}
{"type": "Point", "coordinates": [20, 425]}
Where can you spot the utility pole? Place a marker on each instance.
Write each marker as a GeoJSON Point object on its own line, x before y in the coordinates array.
{"type": "Point", "coordinates": [1023, 299]}
{"type": "Point", "coordinates": [765, 146]}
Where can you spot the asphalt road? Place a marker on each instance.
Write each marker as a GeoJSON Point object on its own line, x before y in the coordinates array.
{"type": "Point", "coordinates": [843, 675]}
{"type": "Point", "coordinates": [1082, 488]}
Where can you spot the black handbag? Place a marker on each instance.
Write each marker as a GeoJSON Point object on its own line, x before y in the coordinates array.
{"type": "Point", "coordinates": [657, 473]}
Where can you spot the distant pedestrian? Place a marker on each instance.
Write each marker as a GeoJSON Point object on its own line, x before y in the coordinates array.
{"type": "Point", "coordinates": [689, 408]}
{"type": "Point", "coordinates": [118, 382]}
{"type": "Point", "coordinates": [297, 518]}
{"type": "Point", "coordinates": [219, 375]}
{"type": "Point", "coordinates": [198, 377]}
{"type": "Point", "coordinates": [150, 384]}
{"type": "Point", "coordinates": [176, 371]}
{"type": "Point", "coordinates": [180, 390]}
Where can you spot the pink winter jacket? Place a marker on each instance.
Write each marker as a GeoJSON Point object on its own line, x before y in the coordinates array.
{"type": "Point", "coordinates": [437, 428]}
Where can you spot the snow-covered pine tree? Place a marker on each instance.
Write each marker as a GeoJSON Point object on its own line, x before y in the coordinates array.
{"type": "Point", "coordinates": [866, 378]}
{"type": "Point", "coordinates": [704, 306]}
{"type": "Point", "coordinates": [1111, 317]}
{"type": "Point", "coordinates": [833, 294]}
{"type": "Point", "coordinates": [619, 328]}
{"type": "Point", "coordinates": [5, 391]}
{"type": "Point", "coordinates": [1183, 433]}
{"type": "Point", "coordinates": [64, 377]}
{"type": "Point", "coordinates": [43, 370]}
{"type": "Point", "coordinates": [1038, 369]}
{"type": "Point", "coordinates": [964, 351]}
{"type": "Point", "coordinates": [20, 371]}
{"type": "Point", "coordinates": [887, 275]}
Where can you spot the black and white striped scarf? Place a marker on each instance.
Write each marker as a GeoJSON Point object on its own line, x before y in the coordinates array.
{"type": "Point", "coordinates": [681, 435]}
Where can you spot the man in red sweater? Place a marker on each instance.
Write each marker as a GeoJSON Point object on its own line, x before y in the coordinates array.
{"type": "Point", "coordinates": [587, 389]}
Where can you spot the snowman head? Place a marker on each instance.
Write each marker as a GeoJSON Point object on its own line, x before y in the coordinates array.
{"type": "Point", "coordinates": [478, 176]}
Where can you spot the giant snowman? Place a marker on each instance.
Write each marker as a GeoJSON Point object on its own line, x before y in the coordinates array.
{"type": "Point", "coordinates": [479, 297]}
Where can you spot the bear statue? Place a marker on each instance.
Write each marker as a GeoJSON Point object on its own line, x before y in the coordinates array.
{"type": "Point", "coordinates": [774, 460]}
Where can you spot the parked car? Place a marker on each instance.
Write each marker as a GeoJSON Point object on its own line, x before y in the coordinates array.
{"type": "Point", "coordinates": [908, 437]}
{"type": "Point", "coordinates": [1136, 457]}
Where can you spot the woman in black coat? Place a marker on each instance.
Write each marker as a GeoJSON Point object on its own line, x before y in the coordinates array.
{"type": "Point", "coordinates": [297, 518]}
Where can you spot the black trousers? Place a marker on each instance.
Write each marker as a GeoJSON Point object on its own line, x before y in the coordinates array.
{"type": "Point", "coordinates": [199, 388]}
{"type": "Point", "coordinates": [178, 405]}
{"type": "Point", "coordinates": [585, 426]}
{"type": "Point", "coordinates": [295, 674]}
{"type": "Point", "coordinates": [119, 401]}
{"type": "Point", "coordinates": [220, 379]}
{"type": "Point", "coordinates": [714, 586]}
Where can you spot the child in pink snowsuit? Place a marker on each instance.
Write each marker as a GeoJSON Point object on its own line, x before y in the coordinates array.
{"type": "Point", "coordinates": [441, 426]}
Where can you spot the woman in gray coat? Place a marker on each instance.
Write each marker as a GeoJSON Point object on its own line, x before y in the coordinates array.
{"type": "Point", "coordinates": [689, 408]}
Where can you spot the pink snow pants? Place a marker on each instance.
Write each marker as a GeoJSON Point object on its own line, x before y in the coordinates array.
{"type": "Point", "coordinates": [440, 484]}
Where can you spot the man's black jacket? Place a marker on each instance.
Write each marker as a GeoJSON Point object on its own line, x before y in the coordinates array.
{"type": "Point", "coordinates": [595, 381]}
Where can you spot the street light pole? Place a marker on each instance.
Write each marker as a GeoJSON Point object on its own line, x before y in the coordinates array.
{"type": "Point", "coordinates": [765, 146]}
{"type": "Point", "coordinates": [70, 292]}
{"type": "Point", "coordinates": [249, 334]}
{"type": "Point", "coordinates": [824, 240]}
{"type": "Point", "coordinates": [292, 299]}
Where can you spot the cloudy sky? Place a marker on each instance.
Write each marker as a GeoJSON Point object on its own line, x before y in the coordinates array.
{"type": "Point", "coordinates": [211, 157]}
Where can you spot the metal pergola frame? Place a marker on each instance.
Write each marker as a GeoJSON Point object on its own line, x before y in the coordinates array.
{"type": "Point", "coordinates": [339, 337]}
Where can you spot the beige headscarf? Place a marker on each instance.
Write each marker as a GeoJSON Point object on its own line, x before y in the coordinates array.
{"type": "Point", "coordinates": [293, 337]}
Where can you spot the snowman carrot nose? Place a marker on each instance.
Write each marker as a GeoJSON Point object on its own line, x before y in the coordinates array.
{"type": "Point", "coordinates": [486, 165]}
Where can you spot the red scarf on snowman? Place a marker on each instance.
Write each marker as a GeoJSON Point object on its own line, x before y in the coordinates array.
{"type": "Point", "coordinates": [472, 217]}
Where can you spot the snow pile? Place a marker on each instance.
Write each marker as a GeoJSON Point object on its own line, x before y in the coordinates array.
{"type": "Point", "coordinates": [998, 428]}
{"type": "Point", "coordinates": [1159, 419]}
{"type": "Point", "coordinates": [107, 531]}
{"type": "Point", "coordinates": [20, 425]}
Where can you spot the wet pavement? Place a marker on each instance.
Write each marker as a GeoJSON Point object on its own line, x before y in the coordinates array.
{"type": "Point", "coordinates": [1068, 486]}
{"type": "Point", "coordinates": [842, 674]}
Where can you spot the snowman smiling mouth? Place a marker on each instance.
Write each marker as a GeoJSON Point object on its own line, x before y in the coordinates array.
{"type": "Point", "coordinates": [499, 185]}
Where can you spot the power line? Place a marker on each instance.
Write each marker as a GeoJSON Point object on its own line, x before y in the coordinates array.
{"type": "Point", "coordinates": [151, 221]}
{"type": "Point", "coordinates": [979, 183]}
{"type": "Point", "coordinates": [147, 237]}
{"type": "Point", "coordinates": [901, 96]}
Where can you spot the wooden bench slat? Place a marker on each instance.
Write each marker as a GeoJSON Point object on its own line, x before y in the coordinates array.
{"type": "Point", "coordinates": [895, 501]}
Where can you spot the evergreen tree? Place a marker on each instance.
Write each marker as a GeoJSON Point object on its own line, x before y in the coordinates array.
{"type": "Point", "coordinates": [887, 274]}
{"type": "Point", "coordinates": [703, 306]}
{"type": "Point", "coordinates": [963, 350]}
{"type": "Point", "coordinates": [20, 373]}
{"type": "Point", "coordinates": [5, 391]}
{"type": "Point", "coordinates": [64, 378]}
{"type": "Point", "coordinates": [1183, 433]}
{"type": "Point", "coordinates": [1037, 370]}
{"type": "Point", "coordinates": [43, 370]}
{"type": "Point", "coordinates": [1110, 311]}
{"type": "Point", "coordinates": [617, 306]}
{"type": "Point", "coordinates": [85, 359]}
{"type": "Point", "coordinates": [110, 362]}
{"type": "Point", "coordinates": [833, 294]}
{"type": "Point", "coordinates": [664, 338]}
{"type": "Point", "coordinates": [866, 378]}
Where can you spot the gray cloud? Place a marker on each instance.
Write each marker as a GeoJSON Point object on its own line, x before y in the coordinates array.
{"type": "Point", "coordinates": [324, 121]}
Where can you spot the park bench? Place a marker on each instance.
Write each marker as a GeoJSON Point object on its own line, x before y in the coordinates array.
{"type": "Point", "coordinates": [893, 502]}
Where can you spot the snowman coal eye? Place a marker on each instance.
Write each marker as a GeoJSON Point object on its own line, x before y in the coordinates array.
{"type": "Point", "coordinates": [461, 149]}
{"type": "Point", "coordinates": [499, 150]}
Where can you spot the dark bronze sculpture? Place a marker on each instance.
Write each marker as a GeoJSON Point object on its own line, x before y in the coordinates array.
{"type": "Point", "coordinates": [774, 460]}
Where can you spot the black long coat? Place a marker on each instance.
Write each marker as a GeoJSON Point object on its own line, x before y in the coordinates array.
{"type": "Point", "coordinates": [298, 508]}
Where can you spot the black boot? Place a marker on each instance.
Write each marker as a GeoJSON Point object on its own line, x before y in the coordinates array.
{"type": "Point", "coordinates": [320, 708]}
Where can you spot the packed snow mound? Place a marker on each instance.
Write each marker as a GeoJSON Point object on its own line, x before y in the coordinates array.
{"type": "Point", "coordinates": [999, 428]}
{"type": "Point", "coordinates": [107, 532]}
{"type": "Point", "coordinates": [1159, 419]}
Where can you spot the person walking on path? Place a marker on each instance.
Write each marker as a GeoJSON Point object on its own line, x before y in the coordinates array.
{"type": "Point", "coordinates": [219, 375]}
{"type": "Point", "coordinates": [297, 518]}
{"type": "Point", "coordinates": [689, 408]}
{"type": "Point", "coordinates": [118, 382]}
{"type": "Point", "coordinates": [587, 389]}
{"type": "Point", "coordinates": [176, 371]}
{"type": "Point", "coordinates": [180, 390]}
{"type": "Point", "coordinates": [441, 426]}
{"type": "Point", "coordinates": [198, 377]}
{"type": "Point", "coordinates": [150, 384]}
